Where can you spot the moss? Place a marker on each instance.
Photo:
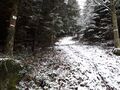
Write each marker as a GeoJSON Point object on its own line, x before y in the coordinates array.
{"type": "Point", "coordinates": [9, 74]}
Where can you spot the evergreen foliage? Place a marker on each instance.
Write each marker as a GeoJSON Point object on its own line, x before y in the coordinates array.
{"type": "Point", "coordinates": [98, 23]}
{"type": "Point", "coordinates": [39, 22]}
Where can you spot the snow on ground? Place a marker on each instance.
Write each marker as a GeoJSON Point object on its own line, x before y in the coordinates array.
{"type": "Point", "coordinates": [100, 69]}
{"type": "Point", "coordinates": [65, 41]}
{"type": "Point", "coordinates": [70, 65]}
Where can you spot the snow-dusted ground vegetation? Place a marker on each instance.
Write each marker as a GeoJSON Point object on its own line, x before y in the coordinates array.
{"type": "Point", "coordinates": [70, 65]}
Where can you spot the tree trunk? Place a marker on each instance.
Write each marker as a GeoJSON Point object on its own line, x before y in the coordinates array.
{"type": "Point", "coordinates": [11, 31]}
{"type": "Point", "coordinates": [115, 25]}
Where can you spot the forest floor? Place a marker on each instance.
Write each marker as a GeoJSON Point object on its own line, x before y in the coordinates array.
{"type": "Point", "coordinates": [70, 65]}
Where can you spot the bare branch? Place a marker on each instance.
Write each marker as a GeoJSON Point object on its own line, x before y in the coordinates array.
{"type": "Point", "coordinates": [102, 3]}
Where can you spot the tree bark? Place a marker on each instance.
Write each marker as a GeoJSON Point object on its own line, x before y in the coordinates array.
{"type": "Point", "coordinates": [11, 31]}
{"type": "Point", "coordinates": [115, 24]}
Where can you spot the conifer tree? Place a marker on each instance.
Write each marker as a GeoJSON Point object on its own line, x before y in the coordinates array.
{"type": "Point", "coordinates": [13, 7]}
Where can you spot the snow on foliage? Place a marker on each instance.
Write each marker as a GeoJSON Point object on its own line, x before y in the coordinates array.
{"type": "Point", "coordinates": [96, 18]}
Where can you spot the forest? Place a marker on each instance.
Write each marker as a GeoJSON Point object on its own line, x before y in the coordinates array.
{"type": "Point", "coordinates": [60, 45]}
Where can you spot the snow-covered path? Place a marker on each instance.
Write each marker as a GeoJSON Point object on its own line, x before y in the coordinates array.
{"type": "Point", "coordinates": [98, 68]}
{"type": "Point", "coordinates": [70, 65]}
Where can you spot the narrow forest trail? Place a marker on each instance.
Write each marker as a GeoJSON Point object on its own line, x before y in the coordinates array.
{"type": "Point", "coordinates": [99, 68]}
{"type": "Point", "coordinates": [74, 66]}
